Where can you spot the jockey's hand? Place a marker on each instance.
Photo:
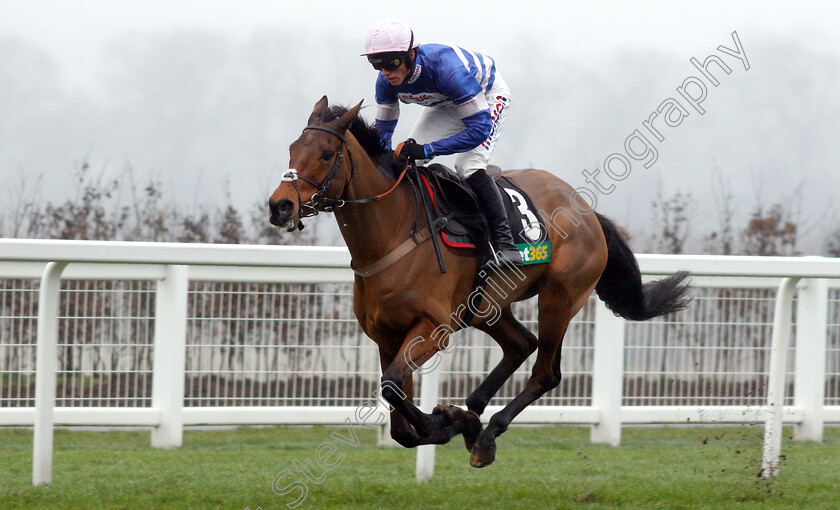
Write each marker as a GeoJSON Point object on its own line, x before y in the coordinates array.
{"type": "Point", "coordinates": [410, 149]}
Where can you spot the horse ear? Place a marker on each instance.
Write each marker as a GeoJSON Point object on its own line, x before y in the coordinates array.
{"type": "Point", "coordinates": [320, 106]}
{"type": "Point", "coordinates": [348, 118]}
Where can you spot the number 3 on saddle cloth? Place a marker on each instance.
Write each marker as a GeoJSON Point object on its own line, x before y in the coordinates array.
{"type": "Point", "coordinates": [463, 226]}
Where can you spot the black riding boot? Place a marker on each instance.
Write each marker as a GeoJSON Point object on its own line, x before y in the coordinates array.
{"type": "Point", "coordinates": [490, 202]}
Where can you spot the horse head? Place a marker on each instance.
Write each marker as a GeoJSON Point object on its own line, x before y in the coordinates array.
{"type": "Point", "coordinates": [317, 175]}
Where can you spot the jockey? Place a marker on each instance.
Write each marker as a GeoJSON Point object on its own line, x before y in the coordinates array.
{"type": "Point", "coordinates": [466, 102]}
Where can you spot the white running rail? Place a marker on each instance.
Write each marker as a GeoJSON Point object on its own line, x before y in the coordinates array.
{"type": "Point", "coordinates": [174, 265]}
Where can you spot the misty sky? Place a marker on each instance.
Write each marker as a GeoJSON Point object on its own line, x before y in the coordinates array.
{"type": "Point", "coordinates": [206, 96]}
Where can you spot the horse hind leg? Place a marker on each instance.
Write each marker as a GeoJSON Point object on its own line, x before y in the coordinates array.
{"type": "Point", "coordinates": [517, 343]}
{"type": "Point", "coordinates": [554, 316]}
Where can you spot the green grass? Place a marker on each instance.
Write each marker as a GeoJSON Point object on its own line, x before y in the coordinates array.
{"type": "Point", "coordinates": [536, 468]}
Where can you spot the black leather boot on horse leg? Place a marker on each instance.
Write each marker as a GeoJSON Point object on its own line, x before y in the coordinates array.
{"type": "Point", "coordinates": [490, 201]}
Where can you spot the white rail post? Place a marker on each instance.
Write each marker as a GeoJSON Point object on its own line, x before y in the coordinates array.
{"type": "Point", "coordinates": [46, 365]}
{"type": "Point", "coordinates": [429, 394]}
{"type": "Point", "coordinates": [607, 375]}
{"type": "Point", "coordinates": [811, 341]}
{"type": "Point", "coordinates": [777, 377]}
{"type": "Point", "coordinates": [170, 356]}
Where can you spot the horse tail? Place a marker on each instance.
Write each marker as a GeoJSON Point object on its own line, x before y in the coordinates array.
{"type": "Point", "coordinates": [621, 287]}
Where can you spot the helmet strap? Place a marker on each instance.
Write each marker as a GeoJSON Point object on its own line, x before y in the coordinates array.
{"type": "Point", "coordinates": [409, 62]}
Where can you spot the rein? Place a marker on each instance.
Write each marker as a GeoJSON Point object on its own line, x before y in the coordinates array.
{"type": "Point", "coordinates": [320, 203]}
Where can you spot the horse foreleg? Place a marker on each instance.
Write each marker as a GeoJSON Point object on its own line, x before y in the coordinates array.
{"type": "Point", "coordinates": [418, 348]}
{"type": "Point", "coordinates": [555, 314]}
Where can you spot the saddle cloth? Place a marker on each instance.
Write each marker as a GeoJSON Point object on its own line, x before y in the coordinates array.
{"type": "Point", "coordinates": [463, 226]}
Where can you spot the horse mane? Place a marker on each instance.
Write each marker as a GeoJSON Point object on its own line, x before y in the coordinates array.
{"type": "Point", "coordinates": [368, 137]}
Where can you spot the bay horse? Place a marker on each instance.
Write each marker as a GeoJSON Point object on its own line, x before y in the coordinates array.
{"type": "Point", "coordinates": [409, 307]}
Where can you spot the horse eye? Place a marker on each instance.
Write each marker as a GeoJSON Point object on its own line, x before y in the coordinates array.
{"type": "Point", "coordinates": [327, 155]}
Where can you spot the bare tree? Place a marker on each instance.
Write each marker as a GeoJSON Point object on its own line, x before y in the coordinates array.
{"type": "Point", "coordinates": [770, 232]}
{"type": "Point", "coordinates": [833, 243]}
{"type": "Point", "coordinates": [670, 218]}
{"type": "Point", "coordinates": [230, 227]}
{"type": "Point", "coordinates": [194, 228]}
{"type": "Point", "coordinates": [722, 242]}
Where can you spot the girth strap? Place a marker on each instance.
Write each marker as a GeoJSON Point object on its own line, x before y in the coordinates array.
{"type": "Point", "coordinates": [398, 253]}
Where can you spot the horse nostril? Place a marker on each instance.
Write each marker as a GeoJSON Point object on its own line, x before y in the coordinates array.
{"type": "Point", "coordinates": [281, 209]}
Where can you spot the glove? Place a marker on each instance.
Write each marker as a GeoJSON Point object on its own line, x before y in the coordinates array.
{"type": "Point", "coordinates": [410, 149]}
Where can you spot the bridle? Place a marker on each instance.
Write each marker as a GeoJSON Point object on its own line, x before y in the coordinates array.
{"type": "Point", "coordinates": [321, 203]}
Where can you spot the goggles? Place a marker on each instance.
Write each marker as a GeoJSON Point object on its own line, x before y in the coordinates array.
{"type": "Point", "coordinates": [386, 61]}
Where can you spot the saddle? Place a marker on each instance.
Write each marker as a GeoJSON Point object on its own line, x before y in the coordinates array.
{"type": "Point", "coordinates": [453, 212]}
{"type": "Point", "coordinates": [461, 223]}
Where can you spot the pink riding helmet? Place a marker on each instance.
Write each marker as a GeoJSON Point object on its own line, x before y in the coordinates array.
{"type": "Point", "coordinates": [389, 35]}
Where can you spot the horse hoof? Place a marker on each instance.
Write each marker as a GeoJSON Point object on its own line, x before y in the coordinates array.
{"type": "Point", "coordinates": [472, 429]}
{"type": "Point", "coordinates": [482, 456]}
